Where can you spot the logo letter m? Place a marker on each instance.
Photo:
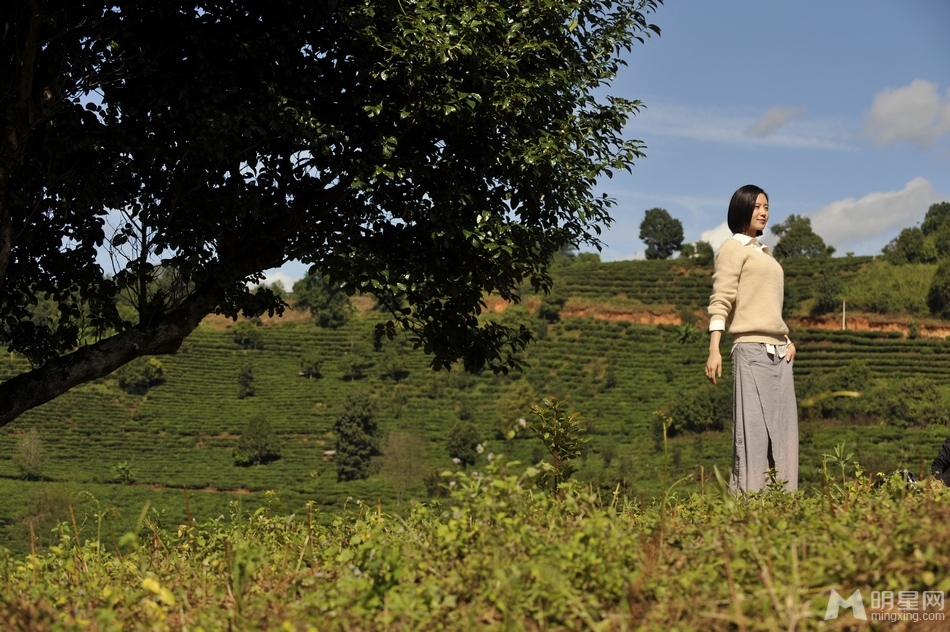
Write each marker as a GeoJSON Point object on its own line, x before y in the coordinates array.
{"type": "Point", "coordinates": [854, 602]}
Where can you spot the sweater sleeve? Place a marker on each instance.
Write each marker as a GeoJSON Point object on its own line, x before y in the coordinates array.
{"type": "Point", "coordinates": [729, 260]}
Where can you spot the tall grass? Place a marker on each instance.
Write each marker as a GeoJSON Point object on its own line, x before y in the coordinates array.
{"type": "Point", "coordinates": [498, 553]}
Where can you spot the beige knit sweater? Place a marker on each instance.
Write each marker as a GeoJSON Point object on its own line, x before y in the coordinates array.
{"type": "Point", "coordinates": [748, 293]}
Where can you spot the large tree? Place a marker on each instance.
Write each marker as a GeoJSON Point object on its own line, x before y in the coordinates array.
{"type": "Point", "coordinates": [798, 239]}
{"type": "Point", "coordinates": [424, 152]}
{"type": "Point", "coordinates": [662, 234]}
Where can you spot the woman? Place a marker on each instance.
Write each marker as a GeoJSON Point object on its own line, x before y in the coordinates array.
{"type": "Point", "coordinates": [748, 289]}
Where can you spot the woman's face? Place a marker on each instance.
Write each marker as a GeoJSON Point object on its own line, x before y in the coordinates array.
{"type": "Point", "coordinates": [760, 216]}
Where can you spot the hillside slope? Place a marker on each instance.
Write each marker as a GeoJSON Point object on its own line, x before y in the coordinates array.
{"type": "Point", "coordinates": [626, 345]}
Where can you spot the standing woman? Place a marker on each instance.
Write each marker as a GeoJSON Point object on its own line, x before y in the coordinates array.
{"type": "Point", "coordinates": [748, 293]}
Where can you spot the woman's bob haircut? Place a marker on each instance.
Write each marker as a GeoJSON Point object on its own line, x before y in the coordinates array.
{"type": "Point", "coordinates": [741, 207]}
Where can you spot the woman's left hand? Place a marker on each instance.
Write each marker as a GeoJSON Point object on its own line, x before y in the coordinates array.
{"type": "Point", "coordinates": [790, 352]}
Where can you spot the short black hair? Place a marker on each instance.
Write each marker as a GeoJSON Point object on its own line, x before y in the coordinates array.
{"type": "Point", "coordinates": [741, 207]}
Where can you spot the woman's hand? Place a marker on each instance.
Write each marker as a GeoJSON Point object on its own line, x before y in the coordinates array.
{"type": "Point", "coordinates": [714, 365]}
{"type": "Point", "coordinates": [714, 362]}
{"type": "Point", "coordinates": [790, 352]}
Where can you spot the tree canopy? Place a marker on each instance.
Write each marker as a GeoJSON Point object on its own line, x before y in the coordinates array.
{"type": "Point", "coordinates": [797, 239]}
{"type": "Point", "coordinates": [422, 152]}
{"type": "Point", "coordinates": [662, 234]}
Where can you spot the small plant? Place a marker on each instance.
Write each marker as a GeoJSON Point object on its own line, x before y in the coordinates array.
{"type": "Point", "coordinates": [560, 432]}
{"type": "Point", "coordinates": [30, 457]}
{"type": "Point", "coordinates": [123, 473]}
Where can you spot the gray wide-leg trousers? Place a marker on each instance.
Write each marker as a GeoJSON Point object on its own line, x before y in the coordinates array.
{"type": "Point", "coordinates": [765, 419]}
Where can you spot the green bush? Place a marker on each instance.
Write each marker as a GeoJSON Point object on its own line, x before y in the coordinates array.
{"type": "Point", "coordinates": [884, 288]}
{"type": "Point", "coordinates": [702, 409]}
{"type": "Point", "coordinates": [357, 439]}
{"type": "Point", "coordinates": [463, 443]}
{"type": "Point", "coordinates": [245, 380]}
{"type": "Point", "coordinates": [30, 455]}
{"type": "Point", "coordinates": [247, 335]}
{"type": "Point", "coordinates": [938, 296]}
{"type": "Point", "coordinates": [258, 444]}
{"type": "Point", "coordinates": [141, 374]}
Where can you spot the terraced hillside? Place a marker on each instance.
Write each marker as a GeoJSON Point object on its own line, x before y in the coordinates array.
{"type": "Point", "coordinates": [173, 446]}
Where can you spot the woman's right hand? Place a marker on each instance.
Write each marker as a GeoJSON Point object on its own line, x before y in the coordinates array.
{"type": "Point", "coordinates": [714, 362]}
{"type": "Point", "coordinates": [714, 366]}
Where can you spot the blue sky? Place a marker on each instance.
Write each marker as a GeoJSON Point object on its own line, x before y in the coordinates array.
{"type": "Point", "coordinates": [840, 109]}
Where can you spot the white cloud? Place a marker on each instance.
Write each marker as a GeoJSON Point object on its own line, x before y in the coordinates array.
{"type": "Point", "coordinates": [864, 225]}
{"type": "Point", "coordinates": [279, 274]}
{"type": "Point", "coordinates": [717, 235]}
{"type": "Point", "coordinates": [915, 113]}
{"type": "Point", "coordinates": [772, 120]}
{"type": "Point", "coordinates": [733, 125]}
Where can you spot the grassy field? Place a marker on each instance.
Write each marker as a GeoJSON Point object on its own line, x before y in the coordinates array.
{"type": "Point", "coordinates": [177, 440]}
{"type": "Point", "coordinates": [498, 553]}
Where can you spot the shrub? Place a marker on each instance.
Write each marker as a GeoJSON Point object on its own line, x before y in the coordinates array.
{"type": "Point", "coordinates": [560, 432]}
{"type": "Point", "coordinates": [29, 456]}
{"type": "Point", "coordinates": [141, 374]}
{"type": "Point", "coordinates": [247, 335]}
{"type": "Point", "coordinates": [310, 364]}
{"type": "Point", "coordinates": [245, 379]}
{"type": "Point", "coordinates": [463, 443]}
{"type": "Point", "coordinates": [258, 444]}
{"type": "Point", "coordinates": [357, 439]}
{"type": "Point", "coordinates": [354, 365]}
{"type": "Point", "coordinates": [702, 409]}
{"type": "Point", "coordinates": [938, 297]}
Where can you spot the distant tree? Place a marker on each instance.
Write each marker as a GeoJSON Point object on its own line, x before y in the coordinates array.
{"type": "Point", "coordinates": [551, 305]}
{"type": "Point", "coordinates": [258, 444]}
{"type": "Point", "coordinates": [587, 258]}
{"type": "Point", "coordinates": [247, 335]}
{"type": "Point", "coordinates": [29, 455]}
{"type": "Point", "coordinates": [328, 303]}
{"type": "Point", "coordinates": [662, 234]}
{"type": "Point", "coordinates": [141, 374]}
{"type": "Point", "coordinates": [941, 240]}
{"type": "Point", "coordinates": [357, 439]}
{"type": "Point", "coordinates": [938, 298]}
{"type": "Point", "coordinates": [704, 253]}
{"type": "Point", "coordinates": [938, 215]}
{"type": "Point", "coordinates": [354, 365]}
{"type": "Point", "coordinates": [829, 294]}
{"type": "Point", "coordinates": [392, 361]}
{"type": "Point", "coordinates": [310, 364]}
{"type": "Point", "coordinates": [245, 379]}
{"type": "Point", "coordinates": [910, 246]}
{"type": "Point", "coordinates": [687, 251]}
{"type": "Point", "coordinates": [462, 442]}
{"type": "Point", "coordinates": [797, 239]}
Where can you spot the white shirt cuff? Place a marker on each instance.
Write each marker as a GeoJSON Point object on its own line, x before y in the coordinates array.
{"type": "Point", "coordinates": [717, 325]}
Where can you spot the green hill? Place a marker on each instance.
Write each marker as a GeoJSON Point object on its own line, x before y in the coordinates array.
{"type": "Point", "coordinates": [172, 447]}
